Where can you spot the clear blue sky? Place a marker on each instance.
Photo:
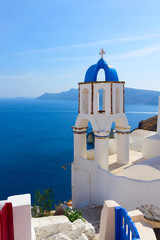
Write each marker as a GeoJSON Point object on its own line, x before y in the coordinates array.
{"type": "Point", "coordinates": [47, 45]}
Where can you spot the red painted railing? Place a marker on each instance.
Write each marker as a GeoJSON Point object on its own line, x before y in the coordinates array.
{"type": "Point", "coordinates": [6, 222]}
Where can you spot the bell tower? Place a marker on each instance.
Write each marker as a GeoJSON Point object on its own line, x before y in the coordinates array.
{"type": "Point", "coordinates": [101, 103]}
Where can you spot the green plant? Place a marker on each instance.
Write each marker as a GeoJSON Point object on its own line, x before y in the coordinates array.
{"type": "Point", "coordinates": [43, 203]}
{"type": "Point", "coordinates": [73, 214]}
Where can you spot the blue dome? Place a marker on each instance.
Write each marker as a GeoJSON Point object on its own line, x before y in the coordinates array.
{"type": "Point", "coordinates": [92, 72]}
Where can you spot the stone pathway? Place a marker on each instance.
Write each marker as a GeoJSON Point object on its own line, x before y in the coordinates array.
{"type": "Point", "coordinates": [92, 214]}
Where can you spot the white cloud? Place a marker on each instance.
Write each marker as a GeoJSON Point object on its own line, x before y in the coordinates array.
{"type": "Point", "coordinates": [142, 52]}
{"type": "Point", "coordinates": [36, 77]}
{"type": "Point", "coordinates": [138, 38]}
{"type": "Point", "coordinates": [136, 53]}
{"type": "Point", "coordinates": [111, 40]}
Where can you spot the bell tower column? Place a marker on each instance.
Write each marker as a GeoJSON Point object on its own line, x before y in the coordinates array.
{"type": "Point", "coordinates": [123, 145]}
{"type": "Point", "coordinates": [80, 142]}
{"type": "Point", "coordinates": [101, 149]}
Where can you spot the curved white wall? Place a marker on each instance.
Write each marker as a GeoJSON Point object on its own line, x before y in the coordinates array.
{"type": "Point", "coordinates": [141, 172]}
{"type": "Point", "coordinates": [129, 193]}
{"type": "Point", "coordinates": [103, 185]}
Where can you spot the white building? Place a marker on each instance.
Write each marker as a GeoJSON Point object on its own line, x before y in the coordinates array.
{"type": "Point", "coordinates": [92, 183]}
{"type": "Point", "coordinates": [151, 144]}
{"type": "Point", "coordinates": [101, 118]}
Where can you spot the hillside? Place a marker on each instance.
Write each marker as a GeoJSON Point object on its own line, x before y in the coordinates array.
{"type": "Point", "coordinates": [132, 96]}
{"type": "Point", "coordinates": [72, 94]}
{"type": "Point", "coordinates": [139, 96]}
{"type": "Point", "coordinates": [148, 124]}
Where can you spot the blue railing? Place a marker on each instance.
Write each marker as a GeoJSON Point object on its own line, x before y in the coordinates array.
{"type": "Point", "coordinates": [125, 229]}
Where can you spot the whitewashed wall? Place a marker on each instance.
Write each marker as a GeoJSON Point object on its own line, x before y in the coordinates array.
{"type": "Point", "coordinates": [129, 193]}
{"type": "Point", "coordinates": [151, 146]}
{"type": "Point", "coordinates": [112, 146]}
{"type": "Point", "coordinates": [21, 216]}
{"type": "Point", "coordinates": [136, 139]}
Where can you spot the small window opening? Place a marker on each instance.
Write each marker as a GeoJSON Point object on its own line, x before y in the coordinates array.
{"type": "Point", "coordinates": [90, 137]}
{"type": "Point", "coordinates": [112, 132]}
{"type": "Point", "coordinates": [101, 75]}
{"type": "Point", "coordinates": [101, 101]}
{"type": "Point", "coordinates": [85, 101]}
{"type": "Point", "coordinates": [117, 100]}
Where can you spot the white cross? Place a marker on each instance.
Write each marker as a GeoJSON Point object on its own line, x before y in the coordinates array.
{"type": "Point", "coordinates": [102, 52]}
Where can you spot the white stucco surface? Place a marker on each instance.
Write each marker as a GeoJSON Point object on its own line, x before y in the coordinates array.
{"type": "Point", "coordinates": [145, 231]}
{"type": "Point", "coordinates": [21, 205]}
{"type": "Point", "coordinates": [129, 193]}
{"type": "Point", "coordinates": [95, 173]}
{"type": "Point", "coordinates": [21, 216]}
{"type": "Point", "coordinates": [112, 146]}
{"type": "Point", "coordinates": [115, 167]}
{"type": "Point", "coordinates": [107, 221]}
{"type": "Point", "coordinates": [136, 138]}
{"type": "Point", "coordinates": [143, 226]}
{"type": "Point", "coordinates": [141, 172]}
{"type": "Point", "coordinates": [151, 146]}
{"type": "Point", "coordinates": [147, 170]}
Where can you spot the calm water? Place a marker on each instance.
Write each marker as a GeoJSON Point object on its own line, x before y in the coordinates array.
{"type": "Point", "coordinates": [36, 140]}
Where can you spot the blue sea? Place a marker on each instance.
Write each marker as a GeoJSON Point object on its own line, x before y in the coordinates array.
{"type": "Point", "coordinates": [36, 140]}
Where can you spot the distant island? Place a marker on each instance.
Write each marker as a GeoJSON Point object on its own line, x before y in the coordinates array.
{"type": "Point", "coordinates": [132, 96]}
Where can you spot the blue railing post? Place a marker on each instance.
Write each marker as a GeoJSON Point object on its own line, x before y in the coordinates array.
{"type": "Point", "coordinates": [118, 223]}
{"type": "Point", "coordinates": [125, 229]}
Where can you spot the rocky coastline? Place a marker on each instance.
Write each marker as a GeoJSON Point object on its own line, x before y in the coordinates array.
{"type": "Point", "coordinates": [149, 124]}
